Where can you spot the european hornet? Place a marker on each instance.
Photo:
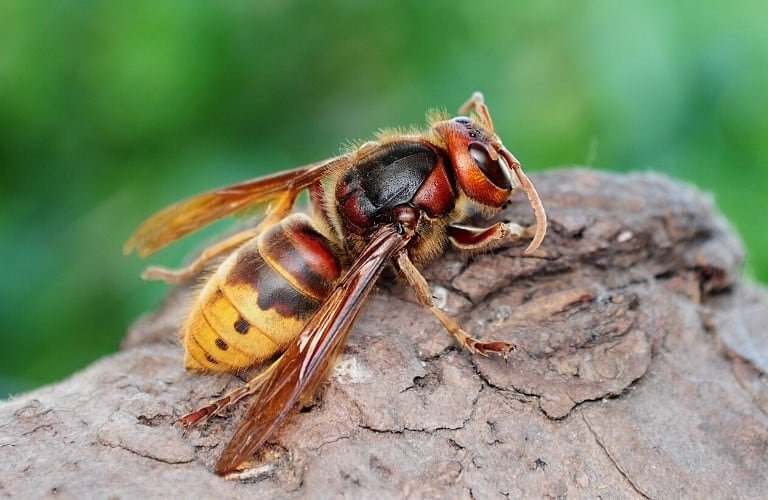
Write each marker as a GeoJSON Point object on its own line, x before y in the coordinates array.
{"type": "Point", "coordinates": [295, 283]}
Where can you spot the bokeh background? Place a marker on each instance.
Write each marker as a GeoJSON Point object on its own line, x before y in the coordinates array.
{"type": "Point", "coordinates": [111, 110]}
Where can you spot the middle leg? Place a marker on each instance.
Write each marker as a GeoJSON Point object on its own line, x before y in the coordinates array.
{"type": "Point", "coordinates": [424, 295]}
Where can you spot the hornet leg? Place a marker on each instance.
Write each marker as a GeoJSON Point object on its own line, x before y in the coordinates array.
{"type": "Point", "coordinates": [424, 295]}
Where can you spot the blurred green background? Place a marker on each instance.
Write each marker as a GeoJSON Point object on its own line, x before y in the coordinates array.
{"type": "Point", "coordinates": [111, 110]}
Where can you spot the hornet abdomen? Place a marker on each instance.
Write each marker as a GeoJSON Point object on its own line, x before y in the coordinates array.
{"type": "Point", "coordinates": [260, 297]}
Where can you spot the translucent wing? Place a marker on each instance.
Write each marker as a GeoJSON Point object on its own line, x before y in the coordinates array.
{"type": "Point", "coordinates": [197, 211]}
{"type": "Point", "coordinates": [301, 367]}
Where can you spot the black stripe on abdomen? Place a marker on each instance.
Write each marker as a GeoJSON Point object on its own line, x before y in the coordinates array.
{"type": "Point", "coordinates": [272, 290]}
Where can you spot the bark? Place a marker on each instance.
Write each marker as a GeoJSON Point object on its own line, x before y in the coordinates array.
{"type": "Point", "coordinates": [641, 371]}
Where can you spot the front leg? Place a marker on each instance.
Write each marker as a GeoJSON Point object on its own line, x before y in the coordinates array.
{"type": "Point", "coordinates": [424, 295]}
{"type": "Point", "coordinates": [481, 238]}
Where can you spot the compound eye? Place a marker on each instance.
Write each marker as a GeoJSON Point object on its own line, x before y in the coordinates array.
{"type": "Point", "coordinates": [496, 171]}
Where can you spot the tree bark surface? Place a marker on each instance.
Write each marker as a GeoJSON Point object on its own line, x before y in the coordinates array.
{"type": "Point", "coordinates": [640, 371]}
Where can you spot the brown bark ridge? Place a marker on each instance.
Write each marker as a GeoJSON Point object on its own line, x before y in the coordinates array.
{"type": "Point", "coordinates": [641, 371]}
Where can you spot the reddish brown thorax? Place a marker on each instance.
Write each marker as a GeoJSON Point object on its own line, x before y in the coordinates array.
{"type": "Point", "coordinates": [400, 173]}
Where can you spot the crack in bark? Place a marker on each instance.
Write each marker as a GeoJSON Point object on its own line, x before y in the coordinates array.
{"type": "Point", "coordinates": [452, 289]}
{"type": "Point", "coordinates": [526, 397]}
{"type": "Point", "coordinates": [41, 426]}
{"type": "Point", "coordinates": [405, 429]}
{"type": "Point", "coordinates": [733, 358]}
{"type": "Point", "coordinates": [150, 457]}
{"type": "Point", "coordinates": [416, 429]}
{"type": "Point", "coordinates": [325, 443]}
{"type": "Point", "coordinates": [750, 394]}
{"type": "Point", "coordinates": [31, 406]}
{"type": "Point", "coordinates": [565, 263]}
{"type": "Point", "coordinates": [603, 295]}
{"type": "Point", "coordinates": [613, 461]}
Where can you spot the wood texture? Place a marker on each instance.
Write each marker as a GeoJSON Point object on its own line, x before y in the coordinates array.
{"type": "Point", "coordinates": [641, 371]}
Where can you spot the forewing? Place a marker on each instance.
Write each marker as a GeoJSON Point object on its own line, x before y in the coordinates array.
{"type": "Point", "coordinates": [197, 211]}
{"type": "Point", "coordinates": [306, 360]}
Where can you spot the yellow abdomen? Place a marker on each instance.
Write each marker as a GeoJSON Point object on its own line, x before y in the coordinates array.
{"type": "Point", "coordinates": [261, 297]}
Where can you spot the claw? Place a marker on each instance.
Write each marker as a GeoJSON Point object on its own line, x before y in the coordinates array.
{"type": "Point", "coordinates": [202, 415]}
{"type": "Point", "coordinates": [198, 416]}
{"type": "Point", "coordinates": [486, 348]}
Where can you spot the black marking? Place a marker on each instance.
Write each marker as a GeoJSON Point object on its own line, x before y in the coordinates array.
{"type": "Point", "coordinates": [276, 293]}
{"type": "Point", "coordinates": [304, 254]}
{"type": "Point", "coordinates": [294, 264]}
{"type": "Point", "coordinates": [221, 344]}
{"type": "Point", "coordinates": [211, 359]}
{"type": "Point", "coordinates": [242, 326]}
{"type": "Point", "coordinates": [273, 291]}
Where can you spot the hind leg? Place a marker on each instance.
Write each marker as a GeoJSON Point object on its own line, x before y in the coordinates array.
{"type": "Point", "coordinates": [274, 214]}
{"type": "Point", "coordinates": [216, 407]}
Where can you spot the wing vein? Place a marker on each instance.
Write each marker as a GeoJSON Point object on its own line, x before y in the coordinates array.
{"type": "Point", "coordinates": [308, 357]}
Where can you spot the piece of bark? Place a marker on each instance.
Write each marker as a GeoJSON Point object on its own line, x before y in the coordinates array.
{"type": "Point", "coordinates": [640, 372]}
